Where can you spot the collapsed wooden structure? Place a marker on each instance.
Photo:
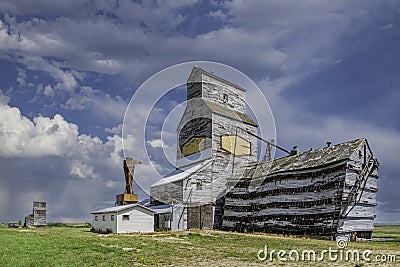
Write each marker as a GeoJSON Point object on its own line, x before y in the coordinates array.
{"type": "Point", "coordinates": [330, 191]}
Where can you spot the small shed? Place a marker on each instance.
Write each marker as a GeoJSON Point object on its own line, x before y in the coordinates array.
{"type": "Point", "coordinates": [133, 218]}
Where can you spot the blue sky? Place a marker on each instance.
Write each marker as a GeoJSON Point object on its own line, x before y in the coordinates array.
{"type": "Point", "coordinates": [329, 70]}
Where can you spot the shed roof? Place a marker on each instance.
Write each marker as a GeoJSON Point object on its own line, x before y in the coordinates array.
{"type": "Point", "coordinates": [164, 208]}
{"type": "Point", "coordinates": [306, 160]}
{"type": "Point", "coordinates": [120, 208]}
{"type": "Point", "coordinates": [182, 175]}
{"type": "Point", "coordinates": [230, 113]}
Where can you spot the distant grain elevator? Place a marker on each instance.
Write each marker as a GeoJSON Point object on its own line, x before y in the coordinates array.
{"type": "Point", "coordinates": [38, 216]}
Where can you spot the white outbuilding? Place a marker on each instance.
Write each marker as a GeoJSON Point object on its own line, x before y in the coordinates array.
{"type": "Point", "coordinates": [133, 218]}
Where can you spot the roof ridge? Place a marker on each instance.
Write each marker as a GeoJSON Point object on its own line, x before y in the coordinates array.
{"type": "Point", "coordinates": [333, 146]}
{"type": "Point", "coordinates": [196, 68]}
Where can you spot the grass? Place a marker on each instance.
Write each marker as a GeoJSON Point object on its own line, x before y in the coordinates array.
{"type": "Point", "coordinates": [75, 245]}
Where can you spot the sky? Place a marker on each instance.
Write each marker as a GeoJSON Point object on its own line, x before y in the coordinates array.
{"type": "Point", "coordinates": [68, 69]}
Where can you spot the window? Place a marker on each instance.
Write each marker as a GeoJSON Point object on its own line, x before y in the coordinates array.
{"type": "Point", "coordinates": [225, 98]}
{"type": "Point", "coordinates": [112, 217]}
{"type": "Point", "coordinates": [199, 184]}
{"type": "Point", "coordinates": [104, 217]}
{"type": "Point", "coordinates": [96, 218]}
{"type": "Point", "coordinates": [125, 217]}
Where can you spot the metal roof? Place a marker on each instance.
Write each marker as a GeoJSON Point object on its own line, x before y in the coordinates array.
{"type": "Point", "coordinates": [182, 175]}
{"type": "Point", "coordinates": [164, 208]}
{"type": "Point", "coordinates": [120, 208]}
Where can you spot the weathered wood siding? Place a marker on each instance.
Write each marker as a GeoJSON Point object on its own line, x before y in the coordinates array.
{"type": "Point", "coordinates": [214, 90]}
{"type": "Point", "coordinates": [297, 202]}
{"type": "Point", "coordinates": [195, 122]}
{"type": "Point", "coordinates": [200, 217]}
{"type": "Point", "coordinates": [358, 216]}
{"type": "Point", "coordinates": [39, 213]}
{"type": "Point", "coordinates": [322, 200]}
{"type": "Point", "coordinates": [166, 193]}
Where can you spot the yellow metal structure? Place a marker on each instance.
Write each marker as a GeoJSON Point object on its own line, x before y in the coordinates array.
{"type": "Point", "coordinates": [124, 199]}
{"type": "Point", "coordinates": [235, 145]}
{"type": "Point", "coordinates": [194, 145]}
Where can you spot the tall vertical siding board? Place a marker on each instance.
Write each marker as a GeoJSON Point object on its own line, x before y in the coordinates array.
{"type": "Point", "coordinates": [214, 89]}
{"type": "Point", "coordinates": [167, 193]}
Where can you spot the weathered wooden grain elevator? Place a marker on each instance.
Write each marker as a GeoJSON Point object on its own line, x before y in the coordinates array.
{"type": "Point", "coordinates": [221, 184]}
{"type": "Point", "coordinates": [38, 216]}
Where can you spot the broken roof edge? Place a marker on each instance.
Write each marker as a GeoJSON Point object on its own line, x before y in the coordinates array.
{"type": "Point", "coordinates": [358, 140]}
{"type": "Point", "coordinates": [196, 70]}
{"type": "Point", "coordinates": [353, 144]}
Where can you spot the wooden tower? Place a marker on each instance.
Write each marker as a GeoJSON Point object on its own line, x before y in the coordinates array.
{"type": "Point", "coordinates": [128, 197]}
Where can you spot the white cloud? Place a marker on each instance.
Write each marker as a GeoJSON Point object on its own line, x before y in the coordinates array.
{"type": "Point", "coordinates": [65, 79]}
{"type": "Point", "coordinates": [44, 136]}
{"type": "Point", "coordinates": [99, 103]}
{"type": "Point", "coordinates": [21, 77]}
{"type": "Point", "coordinates": [157, 143]}
{"type": "Point", "coordinates": [110, 183]}
{"type": "Point", "coordinates": [82, 99]}
{"type": "Point", "coordinates": [82, 170]}
{"type": "Point", "coordinates": [218, 14]}
{"type": "Point", "coordinates": [114, 130]}
{"type": "Point", "coordinates": [48, 90]}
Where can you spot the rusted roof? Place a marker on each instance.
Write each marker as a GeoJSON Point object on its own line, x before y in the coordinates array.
{"type": "Point", "coordinates": [306, 160]}
{"type": "Point", "coordinates": [230, 113]}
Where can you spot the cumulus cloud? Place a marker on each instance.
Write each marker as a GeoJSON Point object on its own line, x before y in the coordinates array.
{"type": "Point", "coordinates": [45, 153]}
{"type": "Point", "coordinates": [82, 170]}
{"type": "Point", "coordinates": [157, 143]}
{"type": "Point", "coordinates": [97, 102]}
{"type": "Point", "coordinates": [42, 136]}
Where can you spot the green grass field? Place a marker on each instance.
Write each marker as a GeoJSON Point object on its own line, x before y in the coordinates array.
{"type": "Point", "coordinates": [77, 246]}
